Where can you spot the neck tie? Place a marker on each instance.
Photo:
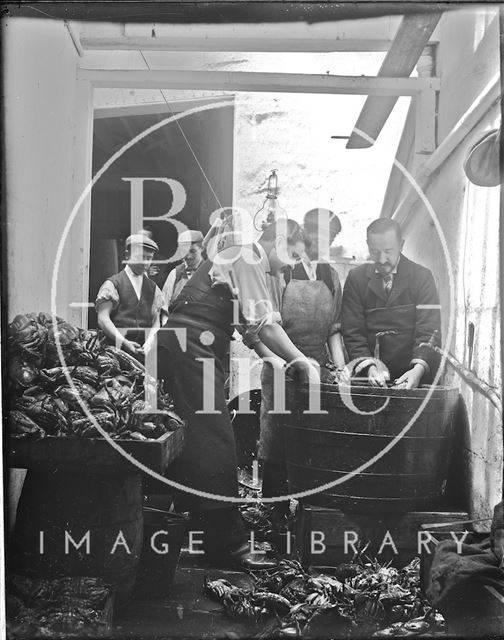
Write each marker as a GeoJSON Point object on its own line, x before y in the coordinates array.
{"type": "Point", "coordinates": [387, 284]}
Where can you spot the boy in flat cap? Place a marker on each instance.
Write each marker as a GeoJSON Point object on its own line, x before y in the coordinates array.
{"type": "Point", "coordinates": [129, 299]}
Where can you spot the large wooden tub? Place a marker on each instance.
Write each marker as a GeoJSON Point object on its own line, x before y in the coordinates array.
{"type": "Point", "coordinates": [323, 448]}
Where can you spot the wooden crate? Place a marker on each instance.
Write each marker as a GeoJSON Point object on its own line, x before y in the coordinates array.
{"type": "Point", "coordinates": [94, 454]}
{"type": "Point", "coordinates": [381, 529]}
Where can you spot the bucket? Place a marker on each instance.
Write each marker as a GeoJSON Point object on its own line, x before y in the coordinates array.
{"type": "Point", "coordinates": [163, 537]}
{"type": "Point", "coordinates": [323, 448]}
{"type": "Point", "coordinates": [101, 514]}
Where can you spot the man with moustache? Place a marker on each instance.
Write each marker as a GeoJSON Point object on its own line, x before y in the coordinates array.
{"type": "Point", "coordinates": [390, 307]}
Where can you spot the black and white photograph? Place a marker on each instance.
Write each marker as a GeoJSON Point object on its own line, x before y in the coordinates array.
{"type": "Point", "coordinates": [252, 289]}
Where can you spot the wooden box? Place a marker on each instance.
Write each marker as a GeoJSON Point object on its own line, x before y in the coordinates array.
{"type": "Point", "coordinates": [94, 454]}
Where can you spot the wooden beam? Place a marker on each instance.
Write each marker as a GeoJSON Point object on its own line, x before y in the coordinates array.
{"type": "Point", "coordinates": [254, 81]}
{"type": "Point", "coordinates": [345, 35]}
{"type": "Point", "coordinates": [425, 122]}
{"type": "Point", "coordinates": [489, 98]}
{"type": "Point", "coordinates": [409, 42]}
{"type": "Point", "coordinates": [235, 44]}
{"type": "Point", "coordinates": [155, 108]}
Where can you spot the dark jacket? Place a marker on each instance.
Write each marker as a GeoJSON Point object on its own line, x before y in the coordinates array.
{"type": "Point", "coordinates": [367, 311]}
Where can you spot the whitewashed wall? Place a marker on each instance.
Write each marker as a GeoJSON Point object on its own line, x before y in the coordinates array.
{"type": "Point", "coordinates": [468, 58]}
{"type": "Point", "coordinates": [43, 134]}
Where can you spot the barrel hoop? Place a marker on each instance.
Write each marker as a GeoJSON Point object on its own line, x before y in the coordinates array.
{"type": "Point", "coordinates": [295, 489]}
{"type": "Point", "coordinates": [357, 475]}
{"type": "Point", "coordinates": [366, 435]}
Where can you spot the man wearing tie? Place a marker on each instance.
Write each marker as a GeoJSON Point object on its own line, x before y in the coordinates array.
{"type": "Point", "coordinates": [390, 307]}
{"type": "Point", "coordinates": [190, 242]}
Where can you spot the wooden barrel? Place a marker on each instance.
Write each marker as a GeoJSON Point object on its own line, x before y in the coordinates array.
{"type": "Point", "coordinates": [321, 448]}
{"type": "Point", "coordinates": [105, 510]}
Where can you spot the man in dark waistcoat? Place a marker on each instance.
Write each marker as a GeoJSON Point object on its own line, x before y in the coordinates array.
{"type": "Point", "coordinates": [231, 290]}
{"type": "Point", "coordinates": [390, 307]}
{"type": "Point", "coordinates": [190, 242]}
{"type": "Point", "coordinates": [129, 299]}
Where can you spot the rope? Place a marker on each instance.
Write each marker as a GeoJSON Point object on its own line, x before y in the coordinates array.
{"type": "Point", "coordinates": [186, 140]}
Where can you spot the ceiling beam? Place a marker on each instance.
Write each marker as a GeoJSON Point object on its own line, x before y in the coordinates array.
{"type": "Point", "coordinates": [155, 108]}
{"type": "Point", "coordinates": [345, 35]}
{"type": "Point", "coordinates": [410, 40]}
{"type": "Point", "coordinates": [245, 45]}
{"type": "Point", "coordinates": [254, 81]}
{"type": "Point", "coordinates": [220, 11]}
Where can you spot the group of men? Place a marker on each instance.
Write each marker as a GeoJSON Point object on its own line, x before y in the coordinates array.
{"type": "Point", "coordinates": [285, 297]}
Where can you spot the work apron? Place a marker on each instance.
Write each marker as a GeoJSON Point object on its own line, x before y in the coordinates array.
{"type": "Point", "coordinates": [307, 310]}
{"type": "Point", "coordinates": [395, 349]}
{"type": "Point", "coordinates": [208, 460]}
{"type": "Point", "coordinates": [195, 377]}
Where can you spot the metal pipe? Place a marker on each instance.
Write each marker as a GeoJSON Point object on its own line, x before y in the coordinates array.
{"type": "Point", "coordinates": [483, 387]}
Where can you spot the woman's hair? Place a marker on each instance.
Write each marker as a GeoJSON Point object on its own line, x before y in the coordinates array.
{"type": "Point", "coordinates": [316, 219]}
{"type": "Point", "coordinates": [283, 227]}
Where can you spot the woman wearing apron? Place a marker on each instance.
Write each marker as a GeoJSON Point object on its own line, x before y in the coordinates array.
{"type": "Point", "coordinates": [310, 310]}
{"type": "Point", "coordinates": [232, 289]}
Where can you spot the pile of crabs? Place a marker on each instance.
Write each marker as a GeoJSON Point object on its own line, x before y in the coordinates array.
{"type": "Point", "coordinates": [64, 381]}
{"type": "Point", "coordinates": [358, 600]}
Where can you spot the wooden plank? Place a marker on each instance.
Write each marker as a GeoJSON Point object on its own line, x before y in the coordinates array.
{"type": "Point", "coordinates": [425, 122]}
{"type": "Point", "coordinates": [409, 42]}
{"type": "Point", "coordinates": [255, 81]}
{"type": "Point", "coordinates": [95, 454]}
{"type": "Point", "coordinates": [489, 98]}
{"type": "Point", "coordinates": [236, 44]}
{"type": "Point", "coordinates": [82, 158]}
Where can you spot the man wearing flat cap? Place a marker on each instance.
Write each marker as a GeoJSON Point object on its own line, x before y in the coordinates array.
{"type": "Point", "coordinates": [129, 299]}
{"type": "Point", "coordinates": [190, 245]}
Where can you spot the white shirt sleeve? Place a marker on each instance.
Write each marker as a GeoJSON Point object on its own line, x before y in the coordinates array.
{"type": "Point", "coordinates": [168, 287]}
{"type": "Point", "coordinates": [107, 293]}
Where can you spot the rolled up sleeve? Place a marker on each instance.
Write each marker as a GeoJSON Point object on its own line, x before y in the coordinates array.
{"type": "Point", "coordinates": [253, 295]}
{"type": "Point", "coordinates": [107, 293]}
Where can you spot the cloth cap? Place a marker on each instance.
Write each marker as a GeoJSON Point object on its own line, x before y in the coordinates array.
{"type": "Point", "coordinates": [142, 239]}
{"type": "Point", "coordinates": [190, 236]}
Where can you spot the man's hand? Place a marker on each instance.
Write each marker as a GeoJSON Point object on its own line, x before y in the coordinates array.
{"type": "Point", "coordinates": [133, 348]}
{"type": "Point", "coordinates": [308, 372]}
{"type": "Point", "coordinates": [411, 379]}
{"type": "Point", "coordinates": [150, 340]}
{"type": "Point", "coordinates": [378, 377]}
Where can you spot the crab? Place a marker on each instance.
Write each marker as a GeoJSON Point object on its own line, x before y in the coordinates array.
{"type": "Point", "coordinates": [44, 411]}
{"type": "Point", "coordinates": [127, 363]}
{"type": "Point", "coordinates": [71, 396]}
{"type": "Point", "coordinates": [21, 426]}
{"type": "Point", "coordinates": [26, 334]}
{"type": "Point", "coordinates": [107, 364]}
{"type": "Point", "coordinates": [86, 374]}
{"type": "Point", "coordinates": [22, 374]}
